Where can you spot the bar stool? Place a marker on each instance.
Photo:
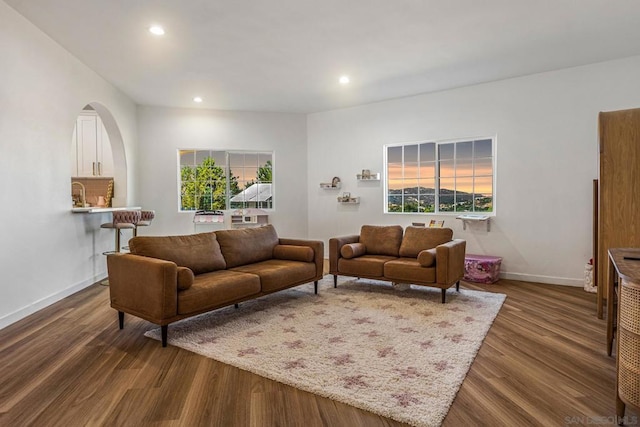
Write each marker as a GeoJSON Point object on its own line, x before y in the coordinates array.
{"type": "Point", "coordinates": [122, 220]}
{"type": "Point", "coordinates": [145, 220]}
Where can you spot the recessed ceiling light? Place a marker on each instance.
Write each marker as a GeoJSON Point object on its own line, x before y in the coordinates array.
{"type": "Point", "coordinates": [344, 80]}
{"type": "Point", "coordinates": [197, 99]}
{"type": "Point", "coordinates": [157, 30]}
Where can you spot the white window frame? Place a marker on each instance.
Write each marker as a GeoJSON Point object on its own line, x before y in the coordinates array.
{"type": "Point", "coordinates": [227, 168]}
{"type": "Point", "coordinates": [437, 177]}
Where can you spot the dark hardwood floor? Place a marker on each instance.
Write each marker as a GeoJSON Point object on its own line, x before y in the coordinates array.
{"type": "Point", "coordinates": [543, 363]}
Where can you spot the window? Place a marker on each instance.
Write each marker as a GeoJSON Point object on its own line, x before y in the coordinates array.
{"type": "Point", "coordinates": [439, 177]}
{"type": "Point", "coordinates": [216, 180]}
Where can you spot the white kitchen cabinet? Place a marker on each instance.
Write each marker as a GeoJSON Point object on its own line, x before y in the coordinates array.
{"type": "Point", "coordinates": [91, 154]}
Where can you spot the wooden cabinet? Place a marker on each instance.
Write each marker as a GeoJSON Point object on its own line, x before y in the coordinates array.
{"type": "Point", "coordinates": [618, 207]}
{"type": "Point", "coordinates": [91, 154]}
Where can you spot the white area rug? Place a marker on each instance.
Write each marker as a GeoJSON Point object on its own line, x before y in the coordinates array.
{"type": "Point", "coordinates": [400, 354]}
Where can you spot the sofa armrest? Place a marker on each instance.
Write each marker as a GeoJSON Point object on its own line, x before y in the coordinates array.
{"type": "Point", "coordinates": [335, 245]}
{"type": "Point", "coordinates": [450, 261]}
{"type": "Point", "coordinates": [318, 251]}
{"type": "Point", "coordinates": [143, 286]}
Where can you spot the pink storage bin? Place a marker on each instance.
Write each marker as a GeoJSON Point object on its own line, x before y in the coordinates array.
{"type": "Point", "coordinates": [482, 268]}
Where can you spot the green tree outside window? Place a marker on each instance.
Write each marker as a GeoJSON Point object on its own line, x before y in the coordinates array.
{"type": "Point", "coordinates": [204, 186]}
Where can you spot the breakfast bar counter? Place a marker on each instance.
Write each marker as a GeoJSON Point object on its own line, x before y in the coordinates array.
{"type": "Point", "coordinates": [95, 209]}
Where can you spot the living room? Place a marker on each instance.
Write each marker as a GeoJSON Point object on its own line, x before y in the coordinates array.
{"type": "Point", "coordinates": [545, 124]}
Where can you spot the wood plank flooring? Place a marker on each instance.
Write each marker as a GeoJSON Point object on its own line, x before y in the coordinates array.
{"type": "Point", "coordinates": [543, 363]}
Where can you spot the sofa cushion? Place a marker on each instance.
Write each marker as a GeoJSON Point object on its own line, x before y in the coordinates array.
{"type": "Point", "coordinates": [294, 253]}
{"type": "Point", "coordinates": [427, 257]}
{"type": "Point", "coordinates": [185, 278]}
{"type": "Point", "coordinates": [352, 250]}
{"type": "Point", "coordinates": [247, 245]}
{"type": "Point", "coordinates": [198, 252]}
{"type": "Point", "coordinates": [417, 239]}
{"type": "Point", "coordinates": [278, 274]}
{"type": "Point", "coordinates": [217, 289]}
{"type": "Point", "coordinates": [381, 240]}
{"type": "Point", "coordinates": [364, 266]}
{"type": "Point", "coordinates": [409, 270]}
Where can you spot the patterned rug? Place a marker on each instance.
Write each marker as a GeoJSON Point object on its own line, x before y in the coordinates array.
{"type": "Point", "coordinates": [399, 354]}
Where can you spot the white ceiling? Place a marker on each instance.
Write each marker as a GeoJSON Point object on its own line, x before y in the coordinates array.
{"type": "Point", "coordinates": [287, 55]}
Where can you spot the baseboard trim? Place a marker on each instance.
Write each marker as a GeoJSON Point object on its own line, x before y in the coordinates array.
{"type": "Point", "coordinates": [25, 311]}
{"type": "Point", "coordinates": [549, 280]}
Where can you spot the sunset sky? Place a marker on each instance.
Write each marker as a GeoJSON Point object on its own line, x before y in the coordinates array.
{"type": "Point", "coordinates": [419, 168]}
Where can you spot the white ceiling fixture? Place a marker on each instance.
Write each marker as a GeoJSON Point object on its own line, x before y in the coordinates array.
{"type": "Point", "coordinates": [156, 30]}
{"type": "Point", "coordinates": [344, 80]}
{"type": "Point", "coordinates": [247, 52]}
{"type": "Point", "coordinates": [197, 99]}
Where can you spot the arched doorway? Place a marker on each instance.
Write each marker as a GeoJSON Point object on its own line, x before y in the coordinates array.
{"type": "Point", "coordinates": [99, 166]}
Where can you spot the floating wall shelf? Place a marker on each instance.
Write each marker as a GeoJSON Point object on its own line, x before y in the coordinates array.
{"type": "Point", "coordinates": [474, 218]}
{"type": "Point", "coordinates": [369, 177]}
{"type": "Point", "coordinates": [329, 186]}
{"type": "Point", "coordinates": [333, 185]}
{"type": "Point", "coordinates": [349, 200]}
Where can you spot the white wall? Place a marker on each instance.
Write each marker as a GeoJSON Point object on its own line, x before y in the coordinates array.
{"type": "Point", "coordinates": [165, 130]}
{"type": "Point", "coordinates": [547, 157]}
{"type": "Point", "coordinates": [47, 252]}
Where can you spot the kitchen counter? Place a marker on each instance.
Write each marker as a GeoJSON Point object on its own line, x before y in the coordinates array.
{"type": "Point", "coordinates": [95, 209]}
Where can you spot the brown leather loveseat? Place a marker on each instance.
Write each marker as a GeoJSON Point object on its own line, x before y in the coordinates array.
{"type": "Point", "coordinates": [422, 256]}
{"type": "Point", "coordinates": [165, 279]}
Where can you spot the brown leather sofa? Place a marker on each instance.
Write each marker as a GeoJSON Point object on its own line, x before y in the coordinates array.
{"type": "Point", "coordinates": [422, 256]}
{"type": "Point", "coordinates": [165, 279]}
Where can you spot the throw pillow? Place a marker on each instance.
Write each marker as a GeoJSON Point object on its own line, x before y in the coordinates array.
{"type": "Point", "coordinates": [352, 250]}
{"type": "Point", "coordinates": [427, 257]}
{"type": "Point", "coordinates": [185, 278]}
{"type": "Point", "coordinates": [293, 253]}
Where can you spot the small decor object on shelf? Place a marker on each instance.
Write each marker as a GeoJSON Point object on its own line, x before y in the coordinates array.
{"type": "Point", "coordinates": [366, 175]}
{"type": "Point", "coordinates": [346, 198]}
{"type": "Point", "coordinates": [436, 224]}
{"type": "Point", "coordinates": [335, 183]}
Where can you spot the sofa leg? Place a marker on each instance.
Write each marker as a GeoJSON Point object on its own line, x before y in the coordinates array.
{"type": "Point", "coordinates": [121, 319]}
{"type": "Point", "coordinates": [458, 286]}
{"type": "Point", "coordinates": [164, 329]}
{"type": "Point", "coordinates": [444, 295]}
{"type": "Point", "coordinates": [315, 287]}
{"type": "Point", "coordinates": [236, 305]}
{"type": "Point", "coordinates": [335, 280]}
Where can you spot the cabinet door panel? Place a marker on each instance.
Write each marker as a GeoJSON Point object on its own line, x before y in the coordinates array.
{"type": "Point", "coordinates": [91, 154]}
{"type": "Point", "coordinates": [619, 180]}
{"type": "Point", "coordinates": [105, 157]}
{"type": "Point", "coordinates": [87, 145]}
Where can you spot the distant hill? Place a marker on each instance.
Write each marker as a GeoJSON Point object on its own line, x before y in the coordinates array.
{"type": "Point", "coordinates": [428, 194]}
